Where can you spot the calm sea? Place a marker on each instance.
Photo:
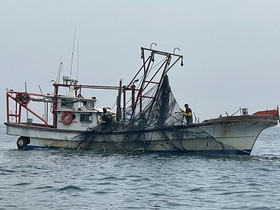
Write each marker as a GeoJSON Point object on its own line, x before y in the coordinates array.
{"type": "Point", "coordinates": [59, 179]}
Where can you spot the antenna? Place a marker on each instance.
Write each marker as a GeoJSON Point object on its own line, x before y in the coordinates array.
{"type": "Point", "coordinates": [40, 89]}
{"type": "Point", "coordinates": [77, 60]}
{"type": "Point", "coordinates": [73, 48]}
{"type": "Point", "coordinates": [59, 70]}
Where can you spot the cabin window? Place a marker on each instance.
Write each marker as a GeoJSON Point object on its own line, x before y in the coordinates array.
{"type": "Point", "coordinates": [68, 103]}
{"type": "Point", "coordinates": [86, 117]}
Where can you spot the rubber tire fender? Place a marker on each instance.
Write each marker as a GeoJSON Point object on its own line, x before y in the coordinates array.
{"type": "Point", "coordinates": [22, 142]}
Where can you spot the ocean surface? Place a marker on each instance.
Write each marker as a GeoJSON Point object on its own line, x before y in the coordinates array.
{"type": "Point", "coordinates": [63, 179]}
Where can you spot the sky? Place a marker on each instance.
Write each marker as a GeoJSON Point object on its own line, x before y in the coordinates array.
{"type": "Point", "coordinates": [231, 48]}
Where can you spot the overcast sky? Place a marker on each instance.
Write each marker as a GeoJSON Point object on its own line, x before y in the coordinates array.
{"type": "Point", "coordinates": [231, 48]}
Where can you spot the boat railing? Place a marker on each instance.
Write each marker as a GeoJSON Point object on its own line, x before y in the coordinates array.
{"type": "Point", "coordinates": [21, 101]}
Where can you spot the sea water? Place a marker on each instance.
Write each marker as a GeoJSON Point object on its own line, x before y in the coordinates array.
{"type": "Point", "coordinates": [67, 179]}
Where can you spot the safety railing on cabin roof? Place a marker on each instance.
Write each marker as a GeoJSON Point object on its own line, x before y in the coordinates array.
{"type": "Point", "coordinates": [21, 100]}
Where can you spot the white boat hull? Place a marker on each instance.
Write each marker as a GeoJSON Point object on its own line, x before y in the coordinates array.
{"type": "Point", "coordinates": [230, 134]}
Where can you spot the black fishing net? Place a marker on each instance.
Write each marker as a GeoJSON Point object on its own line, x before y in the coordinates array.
{"type": "Point", "coordinates": [161, 110]}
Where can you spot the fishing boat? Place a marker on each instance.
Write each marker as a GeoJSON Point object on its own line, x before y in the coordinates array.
{"type": "Point", "coordinates": [145, 118]}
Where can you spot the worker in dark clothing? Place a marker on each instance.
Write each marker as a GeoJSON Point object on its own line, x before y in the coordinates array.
{"type": "Point", "coordinates": [106, 118]}
{"type": "Point", "coordinates": [188, 114]}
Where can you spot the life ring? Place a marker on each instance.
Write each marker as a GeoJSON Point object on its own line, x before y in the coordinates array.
{"type": "Point", "coordinates": [66, 118]}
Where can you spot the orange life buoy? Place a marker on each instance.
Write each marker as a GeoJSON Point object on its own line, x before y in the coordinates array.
{"type": "Point", "coordinates": [66, 118]}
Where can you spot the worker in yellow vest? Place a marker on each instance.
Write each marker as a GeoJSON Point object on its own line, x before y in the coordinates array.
{"type": "Point", "coordinates": [188, 114]}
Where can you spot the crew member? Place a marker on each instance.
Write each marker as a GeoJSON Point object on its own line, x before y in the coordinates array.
{"type": "Point", "coordinates": [106, 118]}
{"type": "Point", "coordinates": [188, 114]}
